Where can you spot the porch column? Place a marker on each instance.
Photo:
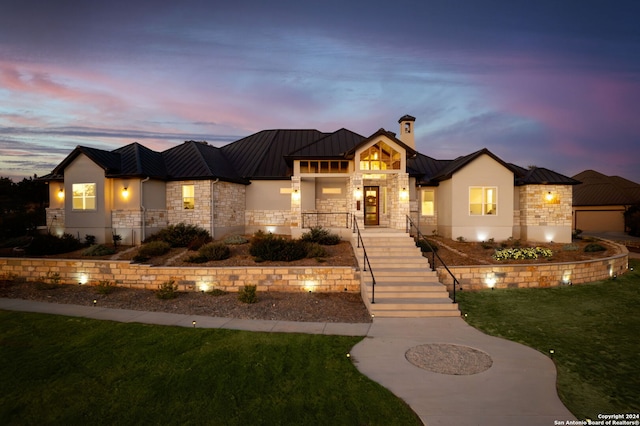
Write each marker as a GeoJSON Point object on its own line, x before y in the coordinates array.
{"type": "Point", "coordinates": [355, 192]}
{"type": "Point", "coordinates": [400, 203]}
{"type": "Point", "coordinates": [296, 206]}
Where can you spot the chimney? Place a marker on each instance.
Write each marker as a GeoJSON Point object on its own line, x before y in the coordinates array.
{"type": "Point", "coordinates": [406, 131]}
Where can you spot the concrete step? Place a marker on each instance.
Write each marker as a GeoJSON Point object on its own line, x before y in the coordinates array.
{"type": "Point", "coordinates": [406, 287]}
{"type": "Point", "coordinates": [403, 272]}
{"type": "Point", "coordinates": [416, 314]}
{"type": "Point", "coordinates": [427, 287]}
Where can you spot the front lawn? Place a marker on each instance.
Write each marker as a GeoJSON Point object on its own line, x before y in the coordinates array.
{"type": "Point", "coordinates": [592, 330]}
{"type": "Point", "coordinates": [62, 370]}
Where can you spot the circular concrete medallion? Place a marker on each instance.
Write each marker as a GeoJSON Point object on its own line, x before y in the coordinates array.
{"type": "Point", "coordinates": [445, 358]}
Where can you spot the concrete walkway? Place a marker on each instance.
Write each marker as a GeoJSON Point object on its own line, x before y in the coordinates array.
{"type": "Point", "coordinates": [518, 388]}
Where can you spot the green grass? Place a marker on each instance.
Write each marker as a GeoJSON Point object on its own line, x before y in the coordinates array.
{"type": "Point", "coordinates": [592, 328]}
{"type": "Point", "coordinates": [63, 370]}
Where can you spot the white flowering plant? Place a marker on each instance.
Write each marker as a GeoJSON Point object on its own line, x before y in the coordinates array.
{"type": "Point", "coordinates": [522, 253]}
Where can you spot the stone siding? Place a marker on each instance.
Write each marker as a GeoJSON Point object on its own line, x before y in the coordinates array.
{"type": "Point", "coordinates": [200, 215]}
{"type": "Point", "coordinates": [229, 204]}
{"type": "Point", "coordinates": [535, 275]}
{"type": "Point", "coordinates": [268, 218]}
{"type": "Point", "coordinates": [535, 211]}
{"type": "Point", "coordinates": [55, 220]}
{"type": "Point", "coordinates": [126, 274]}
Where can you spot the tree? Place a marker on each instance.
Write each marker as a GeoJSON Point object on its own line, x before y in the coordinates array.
{"type": "Point", "coordinates": [22, 206]}
{"type": "Point", "coordinates": [632, 220]}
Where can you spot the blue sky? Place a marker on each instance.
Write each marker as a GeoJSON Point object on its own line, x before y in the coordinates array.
{"type": "Point", "coordinates": [554, 84]}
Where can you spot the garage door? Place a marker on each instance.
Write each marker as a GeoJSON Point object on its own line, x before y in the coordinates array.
{"type": "Point", "coordinates": [599, 221]}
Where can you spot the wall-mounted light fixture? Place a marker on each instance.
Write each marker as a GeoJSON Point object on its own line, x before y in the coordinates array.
{"type": "Point", "coordinates": [125, 192]}
{"type": "Point", "coordinates": [295, 195]}
{"type": "Point", "coordinates": [551, 198]}
{"type": "Point", "coordinates": [357, 193]}
{"type": "Point", "coordinates": [61, 193]}
{"type": "Point", "coordinates": [404, 194]}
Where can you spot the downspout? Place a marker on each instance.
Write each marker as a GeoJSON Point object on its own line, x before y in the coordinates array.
{"type": "Point", "coordinates": [143, 209]}
{"type": "Point", "coordinates": [213, 236]}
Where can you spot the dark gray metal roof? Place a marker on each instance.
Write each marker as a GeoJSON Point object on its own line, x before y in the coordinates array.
{"type": "Point", "coordinates": [138, 160]}
{"type": "Point", "coordinates": [262, 155]}
{"type": "Point", "coordinates": [332, 145]}
{"type": "Point", "coordinates": [540, 176]}
{"type": "Point", "coordinates": [269, 154]}
{"type": "Point", "coordinates": [597, 189]}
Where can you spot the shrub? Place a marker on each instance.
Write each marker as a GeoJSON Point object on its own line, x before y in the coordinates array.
{"type": "Point", "coordinates": [167, 290]}
{"type": "Point", "coordinates": [427, 247]}
{"type": "Point", "coordinates": [321, 236]}
{"type": "Point", "coordinates": [594, 247]}
{"type": "Point", "coordinates": [570, 247]}
{"type": "Point", "coordinates": [275, 248]}
{"type": "Point", "coordinates": [217, 292]}
{"type": "Point", "coordinates": [215, 251]}
{"type": "Point", "coordinates": [461, 239]}
{"type": "Point", "coordinates": [89, 240]}
{"type": "Point", "coordinates": [105, 287]}
{"type": "Point", "coordinates": [51, 244]}
{"type": "Point", "coordinates": [98, 250]}
{"type": "Point", "coordinates": [154, 248]}
{"type": "Point", "coordinates": [235, 239]}
{"type": "Point", "coordinates": [247, 294]}
{"type": "Point", "coordinates": [315, 250]}
{"type": "Point", "coordinates": [211, 251]}
{"type": "Point", "coordinates": [182, 234]}
{"type": "Point", "coordinates": [116, 239]}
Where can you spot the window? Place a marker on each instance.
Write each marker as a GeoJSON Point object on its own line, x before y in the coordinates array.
{"type": "Point", "coordinates": [428, 206]}
{"type": "Point", "coordinates": [380, 157]}
{"type": "Point", "coordinates": [324, 167]}
{"type": "Point", "coordinates": [188, 197]}
{"type": "Point", "coordinates": [84, 196]}
{"type": "Point", "coordinates": [483, 200]}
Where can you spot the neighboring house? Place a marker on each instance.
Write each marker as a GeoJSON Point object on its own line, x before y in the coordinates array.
{"type": "Point", "coordinates": [599, 201]}
{"type": "Point", "coordinates": [284, 181]}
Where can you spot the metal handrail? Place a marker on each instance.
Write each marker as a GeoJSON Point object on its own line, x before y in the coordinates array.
{"type": "Point", "coordinates": [434, 254]}
{"type": "Point", "coordinates": [305, 215]}
{"type": "Point", "coordinates": [365, 261]}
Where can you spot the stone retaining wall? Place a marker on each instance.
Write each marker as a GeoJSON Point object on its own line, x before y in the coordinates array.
{"type": "Point", "coordinates": [480, 277]}
{"type": "Point", "coordinates": [125, 274]}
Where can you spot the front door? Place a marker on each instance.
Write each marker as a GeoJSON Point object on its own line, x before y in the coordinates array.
{"type": "Point", "coordinates": [371, 210]}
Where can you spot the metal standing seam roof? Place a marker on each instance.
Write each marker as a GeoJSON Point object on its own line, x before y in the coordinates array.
{"type": "Point", "coordinates": [268, 154]}
{"type": "Point", "coordinates": [332, 145]}
{"type": "Point", "coordinates": [262, 155]}
{"type": "Point", "coordinates": [598, 189]}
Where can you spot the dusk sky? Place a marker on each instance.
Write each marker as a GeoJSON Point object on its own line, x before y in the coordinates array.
{"type": "Point", "coordinates": [554, 84]}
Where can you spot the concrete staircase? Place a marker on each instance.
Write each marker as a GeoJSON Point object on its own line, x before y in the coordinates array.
{"type": "Point", "coordinates": [406, 287]}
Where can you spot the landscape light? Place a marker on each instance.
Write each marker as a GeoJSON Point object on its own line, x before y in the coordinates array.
{"type": "Point", "coordinates": [194, 324]}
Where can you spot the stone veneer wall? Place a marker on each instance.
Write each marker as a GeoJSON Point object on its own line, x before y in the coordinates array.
{"type": "Point", "coordinates": [229, 204]}
{"type": "Point", "coordinates": [534, 211]}
{"type": "Point", "coordinates": [329, 205]}
{"type": "Point", "coordinates": [200, 215]}
{"type": "Point", "coordinates": [535, 275]}
{"type": "Point", "coordinates": [126, 274]}
{"type": "Point", "coordinates": [267, 217]}
{"type": "Point", "coordinates": [55, 220]}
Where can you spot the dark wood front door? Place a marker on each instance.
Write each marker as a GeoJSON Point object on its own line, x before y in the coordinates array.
{"type": "Point", "coordinates": [371, 209]}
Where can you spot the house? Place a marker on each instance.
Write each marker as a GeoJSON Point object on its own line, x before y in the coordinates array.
{"type": "Point", "coordinates": [599, 201]}
{"type": "Point", "coordinates": [284, 181]}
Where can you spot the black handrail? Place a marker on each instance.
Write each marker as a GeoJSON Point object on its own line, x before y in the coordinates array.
{"type": "Point", "coordinates": [434, 254]}
{"type": "Point", "coordinates": [307, 218]}
{"type": "Point", "coordinates": [365, 261]}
